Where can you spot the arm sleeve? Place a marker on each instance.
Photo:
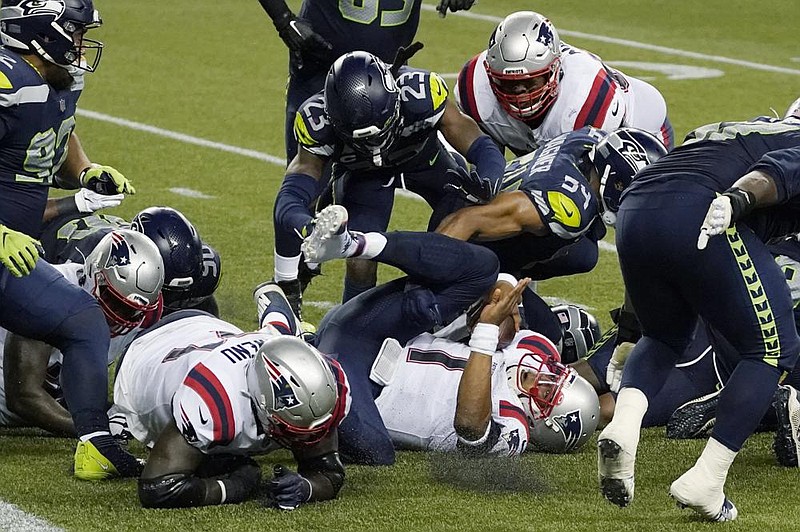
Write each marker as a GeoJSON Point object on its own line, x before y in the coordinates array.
{"type": "Point", "coordinates": [325, 473]}
{"type": "Point", "coordinates": [292, 204]}
{"type": "Point", "coordinates": [487, 158]}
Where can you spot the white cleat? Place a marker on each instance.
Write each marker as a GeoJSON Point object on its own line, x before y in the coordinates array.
{"type": "Point", "coordinates": [692, 490]}
{"type": "Point", "coordinates": [615, 469]}
{"type": "Point", "coordinates": [330, 238]}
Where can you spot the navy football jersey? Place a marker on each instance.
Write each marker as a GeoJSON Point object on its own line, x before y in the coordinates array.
{"type": "Point", "coordinates": [715, 156]}
{"type": "Point", "coordinates": [71, 237]}
{"type": "Point", "coordinates": [423, 96]}
{"type": "Point", "coordinates": [551, 178]}
{"type": "Point", "coordinates": [378, 26]}
{"type": "Point", "coordinates": [35, 125]}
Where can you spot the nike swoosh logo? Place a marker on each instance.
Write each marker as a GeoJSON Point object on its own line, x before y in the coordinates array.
{"type": "Point", "coordinates": [568, 212]}
{"type": "Point", "coordinates": [200, 411]}
{"type": "Point", "coordinates": [103, 466]}
{"type": "Point", "coordinates": [616, 108]}
{"type": "Point", "coordinates": [430, 163]}
{"type": "Point", "coordinates": [293, 25]}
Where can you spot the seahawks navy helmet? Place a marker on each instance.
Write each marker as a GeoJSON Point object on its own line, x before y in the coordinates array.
{"type": "Point", "coordinates": [580, 331]}
{"type": "Point", "coordinates": [362, 102]}
{"type": "Point", "coordinates": [52, 29]}
{"type": "Point", "coordinates": [617, 158]}
{"type": "Point", "coordinates": [179, 245]}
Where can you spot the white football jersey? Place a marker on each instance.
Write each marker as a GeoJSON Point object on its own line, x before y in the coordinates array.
{"type": "Point", "coordinates": [590, 94]}
{"type": "Point", "coordinates": [419, 404]}
{"type": "Point", "coordinates": [192, 372]}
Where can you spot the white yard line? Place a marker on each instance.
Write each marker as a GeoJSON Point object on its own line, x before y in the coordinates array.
{"type": "Point", "coordinates": [13, 519]}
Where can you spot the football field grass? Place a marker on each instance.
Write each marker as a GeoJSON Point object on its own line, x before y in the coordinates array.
{"type": "Point", "coordinates": [188, 103]}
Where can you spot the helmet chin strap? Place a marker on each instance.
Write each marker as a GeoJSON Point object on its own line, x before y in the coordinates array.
{"type": "Point", "coordinates": [608, 217]}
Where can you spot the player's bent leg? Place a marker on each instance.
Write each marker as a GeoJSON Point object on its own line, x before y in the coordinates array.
{"type": "Point", "coordinates": [786, 443]}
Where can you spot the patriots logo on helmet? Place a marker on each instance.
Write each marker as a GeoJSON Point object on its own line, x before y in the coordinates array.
{"type": "Point", "coordinates": [282, 391]}
{"type": "Point", "coordinates": [571, 427]}
{"type": "Point", "coordinates": [120, 253]}
{"type": "Point", "coordinates": [545, 35]}
{"type": "Point", "coordinates": [42, 7]}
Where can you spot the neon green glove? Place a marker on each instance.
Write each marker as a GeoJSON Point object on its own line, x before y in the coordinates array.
{"type": "Point", "coordinates": [105, 180]}
{"type": "Point", "coordinates": [18, 251]}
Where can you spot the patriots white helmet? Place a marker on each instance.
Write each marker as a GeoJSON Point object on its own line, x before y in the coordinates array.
{"type": "Point", "coordinates": [571, 422]}
{"type": "Point", "coordinates": [127, 273]}
{"type": "Point", "coordinates": [295, 391]}
{"type": "Point", "coordinates": [523, 63]}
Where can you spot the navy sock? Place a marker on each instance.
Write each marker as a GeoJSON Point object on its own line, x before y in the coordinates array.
{"type": "Point", "coordinates": [352, 289]}
{"type": "Point", "coordinates": [743, 401]}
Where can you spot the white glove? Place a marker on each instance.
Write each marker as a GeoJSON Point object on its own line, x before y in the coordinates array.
{"type": "Point", "coordinates": [617, 364]}
{"type": "Point", "coordinates": [717, 221]}
{"type": "Point", "coordinates": [88, 201]}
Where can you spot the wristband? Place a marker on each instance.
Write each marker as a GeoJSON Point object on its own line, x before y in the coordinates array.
{"type": "Point", "coordinates": [741, 203]}
{"type": "Point", "coordinates": [484, 339]}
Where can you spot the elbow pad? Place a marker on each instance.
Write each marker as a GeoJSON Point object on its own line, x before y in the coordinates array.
{"type": "Point", "coordinates": [328, 465]}
{"type": "Point", "coordinates": [482, 446]}
{"type": "Point", "coordinates": [292, 204]}
{"type": "Point", "coordinates": [172, 491]}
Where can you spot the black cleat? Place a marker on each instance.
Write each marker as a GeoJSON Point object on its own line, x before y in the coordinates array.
{"type": "Point", "coordinates": [694, 419]}
{"type": "Point", "coordinates": [294, 294]}
{"type": "Point", "coordinates": [786, 444]}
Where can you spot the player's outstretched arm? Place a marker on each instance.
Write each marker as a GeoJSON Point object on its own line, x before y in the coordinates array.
{"type": "Point", "coordinates": [170, 477]}
{"type": "Point", "coordinates": [299, 189]}
{"type": "Point", "coordinates": [509, 214]}
{"type": "Point", "coordinates": [25, 372]}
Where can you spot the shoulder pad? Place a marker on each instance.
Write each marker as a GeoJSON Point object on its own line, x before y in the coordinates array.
{"type": "Point", "coordinates": [312, 129]}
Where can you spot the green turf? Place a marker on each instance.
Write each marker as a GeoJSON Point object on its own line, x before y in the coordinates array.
{"type": "Point", "coordinates": [216, 70]}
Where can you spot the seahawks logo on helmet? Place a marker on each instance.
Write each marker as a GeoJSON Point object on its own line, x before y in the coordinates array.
{"type": "Point", "coordinates": [571, 428]}
{"type": "Point", "coordinates": [41, 7]}
{"type": "Point", "coordinates": [635, 155]}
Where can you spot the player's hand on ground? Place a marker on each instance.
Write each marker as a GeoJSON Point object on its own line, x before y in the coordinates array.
{"type": "Point", "coordinates": [105, 180]}
{"type": "Point", "coordinates": [617, 364]}
{"type": "Point", "coordinates": [287, 489]}
{"type": "Point", "coordinates": [503, 302]}
{"type": "Point", "coordinates": [88, 201]}
{"type": "Point", "coordinates": [18, 251]}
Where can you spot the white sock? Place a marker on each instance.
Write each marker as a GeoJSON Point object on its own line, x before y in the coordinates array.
{"type": "Point", "coordinates": [373, 245]}
{"type": "Point", "coordinates": [286, 268]}
{"type": "Point", "coordinates": [629, 411]}
{"type": "Point", "coordinates": [716, 460]}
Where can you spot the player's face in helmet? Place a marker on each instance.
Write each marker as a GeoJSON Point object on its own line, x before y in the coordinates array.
{"type": "Point", "coordinates": [523, 63]}
{"type": "Point", "coordinates": [571, 422]}
{"type": "Point", "coordinates": [127, 274]}
{"type": "Point", "coordinates": [535, 374]}
{"type": "Point", "coordinates": [362, 102]}
{"type": "Point", "coordinates": [616, 159]}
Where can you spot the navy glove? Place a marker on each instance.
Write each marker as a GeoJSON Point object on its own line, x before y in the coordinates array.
{"type": "Point", "coordinates": [287, 489]}
{"type": "Point", "coordinates": [421, 307]}
{"type": "Point", "coordinates": [453, 6]}
{"type": "Point", "coordinates": [300, 38]}
{"type": "Point", "coordinates": [472, 187]}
